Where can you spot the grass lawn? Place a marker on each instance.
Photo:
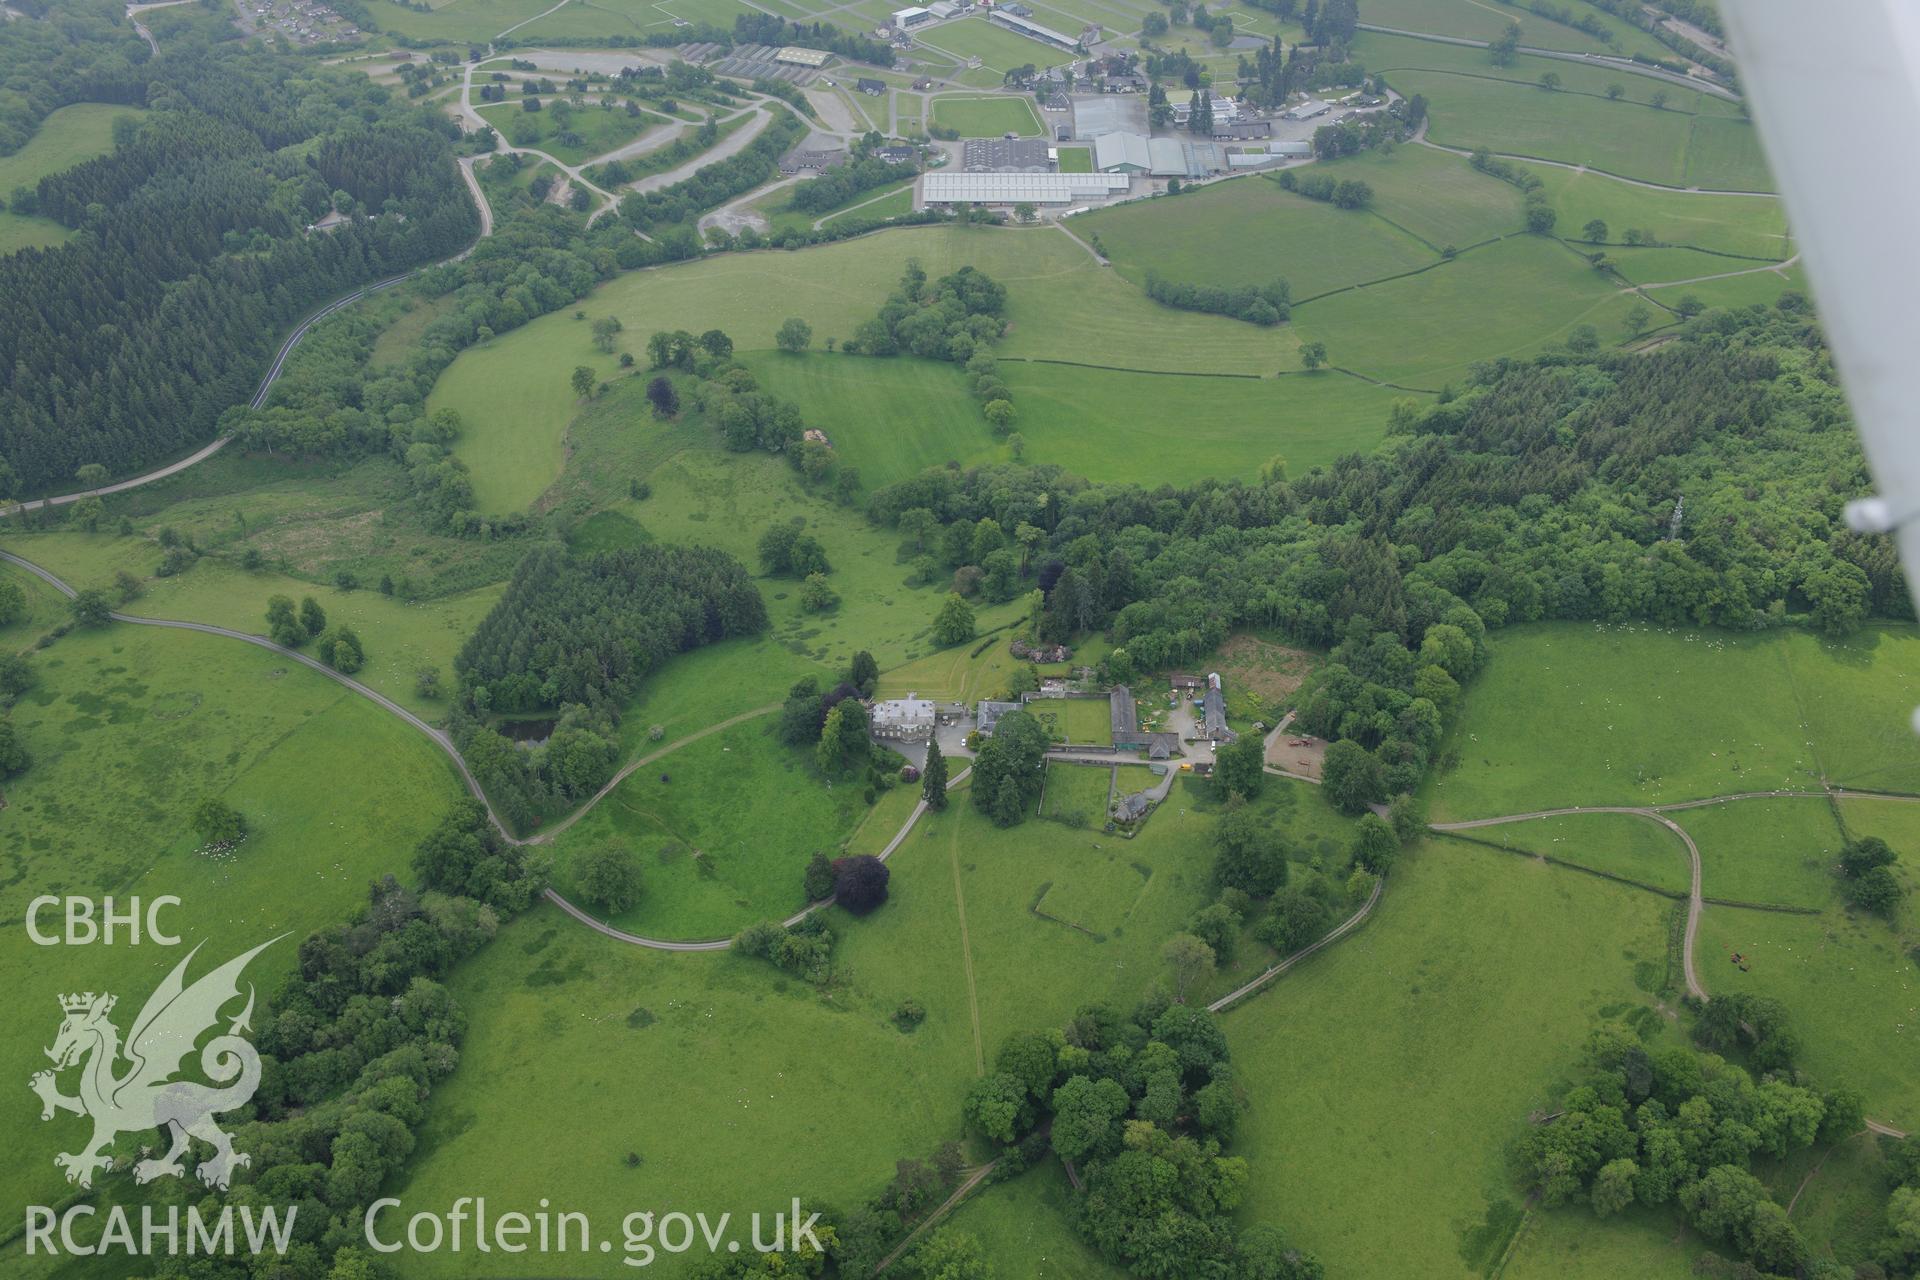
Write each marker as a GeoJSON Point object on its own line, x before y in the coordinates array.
{"type": "Point", "coordinates": [988, 117]}
{"type": "Point", "coordinates": [18, 233]}
{"type": "Point", "coordinates": [128, 727]}
{"type": "Point", "coordinates": [1617, 843]}
{"type": "Point", "coordinates": [1077, 791]}
{"type": "Point", "coordinates": [711, 869]}
{"type": "Point", "coordinates": [1377, 1177]}
{"type": "Point", "coordinates": [1081, 720]}
{"type": "Point", "coordinates": [1076, 159]}
{"type": "Point", "coordinates": [998, 49]}
{"type": "Point", "coordinates": [891, 205]}
{"type": "Point", "coordinates": [515, 404]}
{"type": "Point", "coordinates": [1443, 321]}
{"type": "Point", "coordinates": [1725, 155]}
{"type": "Point", "coordinates": [1770, 851]}
{"type": "Point", "coordinates": [1754, 226]}
{"type": "Point", "coordinates": [1273, 234]}
{"type": "Point", "coordinates": [586, 133]}
{"type": "Point", "coordinates": [1849, 984]}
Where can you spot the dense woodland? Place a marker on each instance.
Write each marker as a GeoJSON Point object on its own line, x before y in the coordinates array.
{"type": "Point", "coordinates": [578, 634]}
{"type": "Point", "coordinates": [127, 343]}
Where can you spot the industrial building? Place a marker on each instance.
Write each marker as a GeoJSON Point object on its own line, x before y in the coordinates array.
{"type": "Point", "coordinates": [1020, 188]}
{"type": "Point", "coordinates": [798, 57]}
{"type": "Point", "coordinates": [1307, 110]}
{"type": "Point", "coordinates": [904, 19]}
{"type": "Point", "coordinates": [1017, 155]}
{"type": "Point", "coordinates": [1157, 157]}
{"type": "Point", "coordinates": [1033, 30]}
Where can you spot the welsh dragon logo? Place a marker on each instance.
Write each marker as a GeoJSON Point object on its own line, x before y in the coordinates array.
{"type": "Point", "coordinates": [145, 1095]}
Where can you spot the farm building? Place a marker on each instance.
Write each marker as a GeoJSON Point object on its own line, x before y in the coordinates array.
{"type": "Point", "coordinates": [1033, 30]}
{"type": "Point", "coordinates": [1128, 83]}
{"type": "Point", "coordinates": [1241, 130]}
{"type": "Point", "coordinates": [1161, 157]}
{"type": "Point", "coordinates": [906, 719]}
{"type": "Point", "coordinates": [943, 9]}
{"type": "Point", "coordinates": [1187, 683]}
{"type": "Point", "coordinates": [872, 88]}
{"type": "Point", "coordinates": [795, 56]}
{"type": "Point", "coordinates": [904, 19]}
{"type": "Point", "coordinates": [1020, 188]}
{"type": "Point", "coordinates": [1214, 711]}
{"type": "Point", "coordinates": [1123, 715]}
{"type": "Point", "coordinates": [1307, 110]}
{"type": "Point", "coordinates": [897, 155]}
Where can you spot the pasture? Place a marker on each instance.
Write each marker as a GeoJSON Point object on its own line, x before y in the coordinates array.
{"type": "Point", "coordinates": [400, 637]}
{"type": "Point", "coordinates": [1850, 988]}
{"type": "Point", "coordinates": [129, 727]}
{"type": "Point", "coordinates": [1436, 197]}
{"type": "Point", "coordinates": [718, 1060]}
{"type": "Point", "coordinates": [1748, 226]}
{"type": "Point", "coordinates": [1442, 321]}
{"type": "Point", "coordinates": [1615, 843]}
{"type": "Point", "coordinates": [712, 866]}
{"type": "Point", "coordinates": [1569, 714]}
{"type": "Point", "coordinates": [1379, 1178]}
{"type": "Point", "coordinates": [987, 117]}
{"type": "Point", "coordinates": [1251, 231]}
{"type": "Point", "coordinates": [1030, 1218]}
{"type": "Point", "coordinates": [1746, 289]}
{"type": "Point", "coordinates": [1768, 851]}
{"type": "Point", "coordinates": [1475, 21]}
{"type": "Point", "coordinates": [514, 401]}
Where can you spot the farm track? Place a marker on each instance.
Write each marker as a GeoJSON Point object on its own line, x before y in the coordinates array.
{"type": "Point", "coordinates": [1657, 813]}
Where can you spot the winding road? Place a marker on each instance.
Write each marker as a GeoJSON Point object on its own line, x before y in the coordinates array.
{"type": "Point", "coordinates": [1658, 813]}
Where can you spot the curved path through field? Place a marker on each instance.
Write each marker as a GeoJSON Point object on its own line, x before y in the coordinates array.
{"type": "Point", "coordinates": [1657, 813]}
{"type": "Point", "coordinates": [1422, 139]}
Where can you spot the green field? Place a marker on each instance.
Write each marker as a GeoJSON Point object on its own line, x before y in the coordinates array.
{"type": "Point", "coordinates": [893, 418]}
{"type": "Point", "coordinates": [1077, 791]}
{"type": "Point", "coordinates": [1077, 720]}
{"type": "Point", "coordinates": [65, 138]}
{"type": "Point", "coordinates": [987, 117]}
{"type": "Point", "coordinates": [1637, 714]}
{"type": "Point", "coordinates": [128, 728]}
{"type": "Point", "coordinates": [1848, 985]}
{"type": "Point", "coordinates": [512, 392]}
{"type": "Point", "coordinates": [1750, 226]}
{"type": "Point", "coordinates": [400, 638]}
{"type": "Point", "coordinates": [998, 49]}
{"type": "Point", "coordinates": [1618, 844]}
{"type": "Point", "coordinates": [1476, 21]}
{"type": "Point", "coordinates": [1029, 1219]}
{"type": "Point", "coordinates": [710, 869]}
{"type": "Point", "coordinates": [1076, 160]}
{"type": "Point", "coordinates": [1249, 230]}
{"type": "Point", "coordinates": [1746, 289]}
{"type": "Point", "coordinates": [1770, 851]}
{"type": "Point", "coordinates": [1437, 197]}
{"type": "Point", "coordinates": [1572, 1243]}
{"type": "Point", "coordinates": [1444, 320]}
{"type": "Point", "coordinates": [1385, 1079]}
{"type": "Point", "coordinates": [574, 1020]}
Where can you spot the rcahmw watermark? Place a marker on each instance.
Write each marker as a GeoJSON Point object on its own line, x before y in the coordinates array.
{"type": "Point", "coordinates": [161, 1232]}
